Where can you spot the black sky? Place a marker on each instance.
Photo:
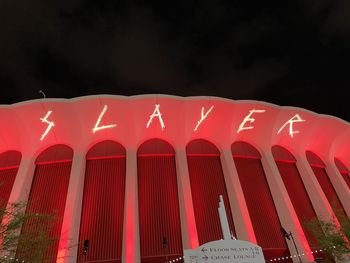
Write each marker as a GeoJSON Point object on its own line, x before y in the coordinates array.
{"type": "Point", "coordinates": [292, 53]}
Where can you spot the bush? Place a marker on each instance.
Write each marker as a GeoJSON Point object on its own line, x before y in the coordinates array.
{"type": "Point", "coordinates": [26, 236]}
{"type": "Point", "coordinates": [333, 239]}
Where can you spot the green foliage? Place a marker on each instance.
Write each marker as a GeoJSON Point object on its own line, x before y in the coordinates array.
{"type": "Point", "coordinates": [26, 236]}
{"type": "Point", "coordinates": [333, 239]}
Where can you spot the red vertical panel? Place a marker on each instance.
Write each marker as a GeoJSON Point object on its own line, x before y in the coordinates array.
{"type": "Point", "coordinates": [318, 167]}
{"type": "Point", "coordinates": [9, 162]}
{"type": "Point", "coordinates": [103, 210]}
{"type": "Point", "coordinates": [48, 196]}
{"type": "Point", "coordinates": [346, 177]}
{"type": "Point", "coordinates": [158, 208]}
{"type": "Point", "coordinates": [328, 190]}
{"type": "Point", "coordinates": [299, 197]}
{"type": "Point", "coordinates": [7, 178]}
{"type": "Point", "coordinates": [207, 184]}
{"type": "Point", "coordinates": [261, 208]}
{"type": "Point", "coordinates": [59, 152]}
{"type": "Point", "coordinates": [10, 159]}
{"type": "Point", "coordinates": [343, 171]}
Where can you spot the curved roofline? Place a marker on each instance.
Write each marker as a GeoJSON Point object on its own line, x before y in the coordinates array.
{"type": "Point", "coordinates": [136, 97]}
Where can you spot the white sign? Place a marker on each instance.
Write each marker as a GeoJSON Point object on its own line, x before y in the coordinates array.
{"type": "Point", "coordinates": [225, 251]}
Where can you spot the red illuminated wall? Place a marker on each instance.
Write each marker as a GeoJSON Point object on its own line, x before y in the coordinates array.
{"type": "Point", "coordinates": [9, 162]}
{"type": "Point", "coordinates": [159, 217]}
{"type": "Point", "coordinates": [207, 184]}
{"type": "Point", "coordinates": [258, 197]}
{"type": "Point", "coordinates": [318, 168]}
{"type": "Point", "coordinates": [157, 178]}
{"type": "Point", "coordinates": [296, 190]}
{"type": "Point", "coordinates": [49, 191]}
{"type": "Point", "coordinates": [103, 203]}
{"type": "Point", "coordinates": [343, 171]}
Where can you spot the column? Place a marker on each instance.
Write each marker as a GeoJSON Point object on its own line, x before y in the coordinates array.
{"type": "Point", "coordinates": [340, 186]}
{"type": "Point", "coordinates": [68, 246]}
{"type": "Point", "coordinates": [243, 225]}
{"type": "Point", "coordinates": [23, 182]}
{"type": "Point", "coordinates": [286, 213]}
{"type": "Point", "coordinates": [317, 197]}
{"type": "Point", "coordinates": [188, 221]}
{"type": "Point", "coordinates": [131, 237]}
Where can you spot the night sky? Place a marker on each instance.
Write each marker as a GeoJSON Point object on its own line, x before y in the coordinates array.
{"type": "Point", "coordinates": [291, 53]}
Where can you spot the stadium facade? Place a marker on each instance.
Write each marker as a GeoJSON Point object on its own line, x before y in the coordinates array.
{"type": "Point", "coordinates": [140, 177]}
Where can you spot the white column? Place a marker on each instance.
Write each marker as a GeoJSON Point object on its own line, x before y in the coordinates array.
{"type": "Point", "coordinates": [188, 222]}
{"type": "Point", "coordinates": [243, 225]}
{"type": "Point", "coordinates": [317, 197]}
{"type": "Point", "coordinates": [68, 246]}
{"type": "Point", "coordinates": [23, 182]}
{"type": "Point", "coordinates": [284, 207]}
{"type": "Point", "coordinates": [340, 186]}
{"type": "Point", "coordinates": [131, 237]}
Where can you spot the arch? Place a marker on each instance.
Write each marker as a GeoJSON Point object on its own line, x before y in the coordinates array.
{"type": "Point", "coordinates": [318, 167]}
{"type": "Point", "coordinates": [259, 200]}
{"type": "Point", "coordinates": [159, 216]}
{"type": "Point", "coordinates": [314, 160]}
{"type": "Point", "coordinates": [55, 153]}
{"type": "Point", "coordinates": [244, 150]}
{"type": "Point", "coordinates": [9, 163]}
{"type": "Point", "coordinates": [49, 188]}
{"type": "Point", "coordinates": [155, 147]}
{"type": "Point", "coordinates": [281, 154]}
{"type": "Point", "coordinates": [201, 147]}
{"type": "Point", "coordinates": [343, 170]}
{"type": "Point", "coordinates": [106, 149]}
{"type": "Point", "coordinates": [103, 202]}
{"type": "Point", "coordinates": [207, 184]}
{"type": "Point", "coordinates": [10, 159]}
{"type": "Point", "coordinates": [286, 164]}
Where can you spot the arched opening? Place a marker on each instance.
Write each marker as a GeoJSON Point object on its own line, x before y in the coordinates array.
{"type": "Point", "coordinates": [9, 163]}
{"type": "Point", "coordinates": [288, 170]}
{"type": "Point", "coordinates": [262, 211]}
{"type": "Point", "coordinates": [103, 203]}
{"type": "Point", "coordinates": [207, 184]}
{"type": "Point", "coordinates": [48, 195]}
{"type": "Point", "coordinates": [159, 217]}
{"type": "Point", "coordinates": [318, 167]}
{"type": "Point", "coordinates": [343, 170]}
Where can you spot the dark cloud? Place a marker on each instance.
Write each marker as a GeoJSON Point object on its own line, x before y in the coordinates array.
{"type": "Point", "coordinates": [286, 52]}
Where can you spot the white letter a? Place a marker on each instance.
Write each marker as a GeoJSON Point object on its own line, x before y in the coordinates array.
{"type": "Point", "coordinates": [156, 113]}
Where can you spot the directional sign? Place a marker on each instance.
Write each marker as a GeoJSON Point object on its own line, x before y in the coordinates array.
{"type": "Point", "coordinates": [225, 251]}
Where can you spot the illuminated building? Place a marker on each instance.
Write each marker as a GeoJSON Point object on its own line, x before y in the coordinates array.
{"type": "Point", "coordinates": [139, 177]}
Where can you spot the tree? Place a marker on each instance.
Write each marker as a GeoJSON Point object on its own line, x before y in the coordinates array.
{"type": "Point", "coordinates": [332, 238]}
{"type": "Point", "coordinates": [26, 236]}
